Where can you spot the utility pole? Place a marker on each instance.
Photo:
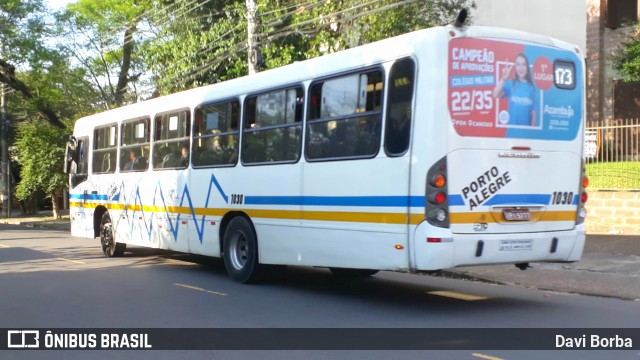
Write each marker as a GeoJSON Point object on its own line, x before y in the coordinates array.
{"type": "Point", "coordinates": [5, 166]}
{"type": "Point", "coordinates": [253, 51]}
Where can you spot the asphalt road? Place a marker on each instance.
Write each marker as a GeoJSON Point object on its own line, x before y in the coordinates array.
{"type": "Point", "coordinates": [51, 280]}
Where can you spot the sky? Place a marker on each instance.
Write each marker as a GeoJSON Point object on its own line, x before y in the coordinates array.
{"type": "Point", "coordinates": [57, 4]}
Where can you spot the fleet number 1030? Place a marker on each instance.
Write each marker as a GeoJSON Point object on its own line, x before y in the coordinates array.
{"type": "Point", "coordinates": [470, 100]}
{"type": "Point", "coordinates": [562, 198]}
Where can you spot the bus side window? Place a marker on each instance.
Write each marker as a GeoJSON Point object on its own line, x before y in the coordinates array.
{"type": "Point", "coordinates": [170, 146]}
{"type": "Point", "coordinates": [215, 134]}
{"type": "Point", "coordinates": [345, 117]}
{"type": "Point", "coordinates": [399, 106]}
{"type": "Point", "coordinates": [134, 150]}
{"type": "Point", "coordinates": [82, 169]}
{"type": "Point", "coordinates": [104, 149]}
{"type": "Point", "coordinates": [272, 130]}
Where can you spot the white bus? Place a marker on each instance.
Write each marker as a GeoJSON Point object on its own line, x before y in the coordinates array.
{"type": "Point", "coordinates": [449, 146]}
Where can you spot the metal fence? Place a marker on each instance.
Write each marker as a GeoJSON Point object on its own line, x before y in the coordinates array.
{"type": "Point", "coordinates": [612, 153]}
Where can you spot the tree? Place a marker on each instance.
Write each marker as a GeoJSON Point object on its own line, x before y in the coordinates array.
{"type": "Point", "coordinates": [41, 154]}
{"type": "Point", "coordinates": [103, 38]}
{"type": "Point", "coordinates": [21, 27]}
{"type": "Point", "coordinates": [197, 45]}
{"type": "Point", "coordinates": [627, 60]}
{"type": "Point", "coordinates": [208, 43]}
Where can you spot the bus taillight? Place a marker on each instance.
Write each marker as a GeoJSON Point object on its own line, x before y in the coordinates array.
{"type": "Point", "coordinates": [584, 197]}
{"type": "Point", "coordinates": [438, 181]}
{"type": "Point", "coordinates": [439, 215]}
{"type": "Point", "coordinates": [437, 198]}
{"type": "Point", "coordinates": [437, 201]}
{"type": "Point", "coordinates": [584, 182]}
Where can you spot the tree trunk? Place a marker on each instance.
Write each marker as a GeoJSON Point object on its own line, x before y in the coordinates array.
{"type": "Point", "coordinates": [54, 205]}
{"type": "Point", "coordinates": [253, 50]}
{"type": "Point", "coordinates": [123, 78]}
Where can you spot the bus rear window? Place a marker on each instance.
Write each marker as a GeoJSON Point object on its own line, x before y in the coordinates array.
{"type": "Point", "coordinates": [506, 89]}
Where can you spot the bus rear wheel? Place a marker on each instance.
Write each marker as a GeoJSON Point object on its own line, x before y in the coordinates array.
{"type": "Point", "coordinates": [110, 247]}
{"type": "Point", "coordinates": [241, 251]}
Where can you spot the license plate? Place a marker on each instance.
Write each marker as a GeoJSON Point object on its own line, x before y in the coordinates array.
{"type": "Point", "coordinates": [516, 214]}
{"type": "Point", "coordinates": [515, 245]}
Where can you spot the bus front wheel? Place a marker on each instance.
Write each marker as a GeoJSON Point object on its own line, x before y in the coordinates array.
{"type": "Point", "coordinates": [110, 247]}
{"type": "Point", "coordinates": [241, 251]}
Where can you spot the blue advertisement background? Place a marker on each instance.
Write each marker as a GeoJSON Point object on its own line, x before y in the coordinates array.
{"type": "Point", "coordinates": [555, 98]}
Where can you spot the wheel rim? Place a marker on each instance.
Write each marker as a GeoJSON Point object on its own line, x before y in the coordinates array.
{"type": "Point", "coordinates": [238, 251]}
{"type": "Point", "coordinates": [106, 235]}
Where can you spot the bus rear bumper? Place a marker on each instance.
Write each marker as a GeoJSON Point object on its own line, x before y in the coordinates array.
{"type": "Point", "coordinates": [437, 248]}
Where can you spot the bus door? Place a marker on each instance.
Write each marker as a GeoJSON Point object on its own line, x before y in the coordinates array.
{"type": "Point", "coordinates": [77, 166]}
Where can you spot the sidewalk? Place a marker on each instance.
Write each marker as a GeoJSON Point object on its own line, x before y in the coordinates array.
{"type": "Point", "coordinates": [610, 265]}
{"type": "Point", "coordinates": [42, 219]}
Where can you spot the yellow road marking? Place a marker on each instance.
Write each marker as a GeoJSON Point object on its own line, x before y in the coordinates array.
{"type": "Point", "coordinates": [216, 293]}
{"type": "Point", "coordinates": [4, 246]}
{"type": "Point", "coordinates": [482, 356]}
{"type": "Point", "coordinates": [456, 295]}
{"type": "Point", "coordinates": [73, 261]}
{"type": "Point", "coordinates": [199, 289]}
{"type": "Point", "coordinates": [189, 287]}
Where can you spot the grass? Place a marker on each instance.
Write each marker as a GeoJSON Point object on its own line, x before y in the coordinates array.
{"type": "Point", "coordinates": [623, 175]}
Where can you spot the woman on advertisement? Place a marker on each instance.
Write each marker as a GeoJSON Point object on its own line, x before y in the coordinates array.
{"type": "Point", "coordinates": [520, 91]}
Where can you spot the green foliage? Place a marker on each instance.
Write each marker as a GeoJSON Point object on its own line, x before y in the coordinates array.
{"type": "Point", "coordinates": [197, 47]}
{"type": "Point", "coordinates": [614, 175]}
{"type": "Point", "coordinates": [21, 24]}
{"type": "Point", "coordinates": [41, 153]}
{"type": "Point", "coordinates": [627, 61]}
{"type": "Point", "coordinates": [105, 49]}
{"type": "Point", "coordinates": [57, 84]}
{"type": "Point", "coordinates": [208, 44]}
{"type": "Point", "coordinates": [103, 37]}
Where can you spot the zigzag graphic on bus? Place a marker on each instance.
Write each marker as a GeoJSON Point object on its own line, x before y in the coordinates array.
{"type": "Point", "coordinates": [137, 201]}
{"type": "Point", "coordinates": [174, 226]}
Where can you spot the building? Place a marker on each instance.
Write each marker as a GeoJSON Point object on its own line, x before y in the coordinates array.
{"type": "Point", "coordinates": [598, 27]}
{"type": "Point", "coordinates": [563, 19]}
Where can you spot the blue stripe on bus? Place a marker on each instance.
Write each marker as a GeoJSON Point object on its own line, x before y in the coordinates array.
{"type": "Point", "coordinates": [92, 197]}
{"type": "Point", "coordinates": [507, 199]}
{"type": "Point", "coordinates": [456, 200]}
{"type": "Point", "coordinates": [366, 201]}
{"type": "Point", "coordinates": [372, 201]}
{"type": "Point", "coordinates": [514, 199]}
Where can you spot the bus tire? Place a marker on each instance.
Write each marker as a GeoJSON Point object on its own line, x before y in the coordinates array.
{"type": "Point", "coordinates": [352, 273]}
{"type": "Point", "coordinates": [110, 247]}
{"type": "Point", "coordinates": [240, 251]}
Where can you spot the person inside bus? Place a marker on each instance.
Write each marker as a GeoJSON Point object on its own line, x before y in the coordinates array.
{"type": "Point", "coordinates": [184, 159]}
{"type": "Point", "coordinates": [520, 91]}
{"type": "Point", "coordinates": [131, 164]}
